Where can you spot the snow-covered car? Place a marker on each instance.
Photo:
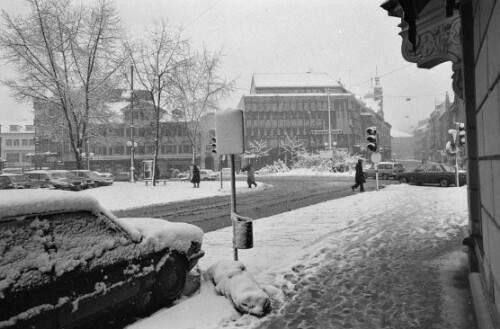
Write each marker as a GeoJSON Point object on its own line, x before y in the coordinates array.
{"type": "Point", "coordinates": [123, 176]}
{"type": "Point", "coordinates": [67, 262]}
{"type": "Point", "coordinates": [433, 173]}
{"type": "Point", "coordinates": [207, 174]}
{"type": "Point", "coordinates": [386, 170]}
{"type": "Point", "coordinates": [18, 181]}
{"type": "Point", "coordinates": [54, 178]}
{"type": "Point", "coordinates": [96, 180]}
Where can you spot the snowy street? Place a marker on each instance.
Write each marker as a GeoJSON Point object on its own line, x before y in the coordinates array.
{"type": "Point", "coordinates": [387, 259]}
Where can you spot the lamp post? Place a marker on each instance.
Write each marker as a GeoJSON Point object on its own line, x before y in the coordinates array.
{"type": "Point", "coordinates": [329, 121]}
{"type": "Point", "coordinates": [132, 143]}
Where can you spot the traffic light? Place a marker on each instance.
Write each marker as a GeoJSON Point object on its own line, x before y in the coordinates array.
{"type": "Point", "coordinates": [372, 139]}
{"type": "Point", "coordinates": [214, 145]}
{"type": "Point", "coordinates": [37, 140]}
{"type": "Point", "coordinates": [461, 133]}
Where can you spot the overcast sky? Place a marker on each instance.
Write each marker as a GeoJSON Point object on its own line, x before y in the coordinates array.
{"type": "Point", "coordinates": [351, 40]}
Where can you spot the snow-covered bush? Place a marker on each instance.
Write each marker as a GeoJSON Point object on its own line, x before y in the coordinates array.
{"type": "Point", "coordinates": [341, 162]}
{"type": "Point", "coordinates": [276, 167]}
{"type": "Point", "coordinates": [232, 280]}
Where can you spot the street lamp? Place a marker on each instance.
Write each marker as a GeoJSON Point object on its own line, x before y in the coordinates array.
{"type": "Point", "coordinates": [132, 144]}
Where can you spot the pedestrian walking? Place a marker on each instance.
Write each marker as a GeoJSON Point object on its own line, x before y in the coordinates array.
{"type": "Point", "coordinates": [195, 175]}
{"type": "Point", "coordinates": [250, 175]}
{"type": "Point", "coordinates": [359, 178]}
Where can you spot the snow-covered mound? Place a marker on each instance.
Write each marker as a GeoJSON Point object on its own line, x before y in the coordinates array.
{"type": "Point", "coordinates": [233, 281]}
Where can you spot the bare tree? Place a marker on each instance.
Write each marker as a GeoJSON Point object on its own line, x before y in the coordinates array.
{"type": "Point", "coordinates": [155, 58]}
{"type": "Point", "coordinates": [258, 148]}
{"type": "Point", "coordinates": [198, 88]}
{"type": "Point", "coordinates": [292, 146]}
{"type": "Point", "coordinates": [65, 57]}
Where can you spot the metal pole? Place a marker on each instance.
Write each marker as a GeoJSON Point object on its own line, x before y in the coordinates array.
{"type": "Point", "coordinates": [88, 155]}
{"type": "Point", "coordinates": [132, 124]}
{"type": "Point", "coordinates": [376, 174]}
{"type": "Point", "coordinates": [329, 121]}
{"type": "Point", "coordinates": [233, 202]}
{"type": "Point", "coordinates": [329, 124]}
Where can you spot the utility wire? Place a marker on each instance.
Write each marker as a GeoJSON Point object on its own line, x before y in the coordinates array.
{"type": "Point", "coordinates": [203, 13]}
{"type": "Point", "coordinates": [383, 75]}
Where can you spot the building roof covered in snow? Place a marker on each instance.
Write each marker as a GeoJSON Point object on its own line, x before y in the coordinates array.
{"type": "Point", "coordinates": [294, 80]}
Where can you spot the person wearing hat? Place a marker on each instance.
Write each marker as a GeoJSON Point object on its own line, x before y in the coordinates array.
{"type": "Point", "coordinates": [359, 178]}
{"type": "Point", "coordinates": [195, 175]}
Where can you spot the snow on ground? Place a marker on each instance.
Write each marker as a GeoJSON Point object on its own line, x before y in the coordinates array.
{"type": "Point", "coordinates": [125, 195]}
{"type": "Point", "coordinates": [298, 241]}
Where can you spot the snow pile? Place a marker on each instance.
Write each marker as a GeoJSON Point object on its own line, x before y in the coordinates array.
{"type": "Point", "coordinates": [233, 281]}
{"type": "Point", "coordinates": [158, 234]}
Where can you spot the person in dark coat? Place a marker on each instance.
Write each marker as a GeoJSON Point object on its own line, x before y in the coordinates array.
{"type": "Point", "coordinates": [195, 176]}
{"type": "Point", "coordinates": [250, 175]}
{"type": "Point", "coordinates": [359, 178]}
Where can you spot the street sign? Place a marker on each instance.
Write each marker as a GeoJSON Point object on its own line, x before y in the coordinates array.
{"type": "Point", "coordinates": [376, 157]}
{"type": "Point", "coordinates": [326, 131]}
{"type": "Point", "coordinates": [325, 154]}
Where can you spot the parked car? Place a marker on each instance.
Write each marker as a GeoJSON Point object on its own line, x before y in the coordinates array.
{"type": "Point", "coordinates": [123, 176]}
{"type": "Point", "coordinates": [69, 263]}
{"type": "Point", "coordinates": [184, 176]}
{"type": "Point", "coordinates": [19, 181]}
{"type": "Point", "coordinates": [54, 178]}
{"type": "Point", "coordinates": [94, 179]}
{"type": "Point", "coordinates": [386, 170]}
{"type": "Point", "coordinates": [5, 183]}
{"type": "Point", "coordinates": [86, 182]}
{"type": "Point", "coordinates": [207, 174]}
{"type": "Point", "coordinates": [433, 173]}
{"type": "Point", "coordinates": [104, 174]}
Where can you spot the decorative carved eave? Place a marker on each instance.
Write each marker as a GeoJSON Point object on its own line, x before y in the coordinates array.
{"type": "Point", "coordinates": [431, 34]}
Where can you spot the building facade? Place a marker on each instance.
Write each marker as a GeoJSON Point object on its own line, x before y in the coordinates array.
{"type": "Point", "coordinates": [108, 147]}
{"type": "Point", "coordinates": [17, 146]}
{"type": "Point", "coordinates": [467, 33]}
{"type": "Point", "coordinates": [307, 108]}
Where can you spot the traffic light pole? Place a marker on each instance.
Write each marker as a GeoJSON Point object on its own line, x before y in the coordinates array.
{"type": "Point", "coordinates": [233, 202]}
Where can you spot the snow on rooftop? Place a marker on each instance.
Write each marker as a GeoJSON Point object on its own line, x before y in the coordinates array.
{"type": "Point", "coordinates": [294, 80]}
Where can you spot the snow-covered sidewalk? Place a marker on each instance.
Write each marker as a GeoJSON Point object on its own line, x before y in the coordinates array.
{"type": "Point", "coordinates": [333, 258]}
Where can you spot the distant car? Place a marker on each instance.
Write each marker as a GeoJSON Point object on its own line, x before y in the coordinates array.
{"type": "Point", "coordinates": [184, 176]}
{"type": "Point", "coordinates": [123, 176]}
{"type": "Point", "coordinates": [207, 174]}
{"type": "Point", "coordinates": [54, 178]}
{"type": "Point", "coordinates": [19, 181]}
{"type": "Point", "coordinates": [386, 170]}
{"type": "Point", "coordinates": [5, 183]}
{"type": "Point", "coordinates": [94, 179]}
{"type": "Point", "coordinates": [104, 174]}
{"type": "Point", "coordinates": [433, 173]}
{"type": "Point", "coordinates": [69, 263]}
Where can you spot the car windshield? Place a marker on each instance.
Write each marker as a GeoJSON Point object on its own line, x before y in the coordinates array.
{"type": "Point", "coordinates": [58, 175]}
{"type": "Point", "coordinates": [71, 175]}
{"type": "Point", "coordinates": [449, 168]}
{"type": "Point", "coordinates": [18, 179]}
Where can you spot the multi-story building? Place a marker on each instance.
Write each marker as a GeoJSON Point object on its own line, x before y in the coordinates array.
{"type": "Point", "coordinates": [305, 107]}
{"type": "Point", "coordinates": [402, 145]}
{"type": "Point", "coordinates": [17, 145]}
{"type": "Point", "coordinates": [108, 144]}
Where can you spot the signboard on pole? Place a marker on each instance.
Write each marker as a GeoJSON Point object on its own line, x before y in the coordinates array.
{"type": "Point", "coordinates": [325, 154]}
{"type": "Point", "coordinates": [326, 131]}
{"type": "Point", "coordinates": [376, 157]}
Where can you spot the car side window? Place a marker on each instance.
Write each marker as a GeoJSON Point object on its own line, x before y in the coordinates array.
{"type": "Point", "coordinates": [75, 239]}
{"type": "Point", "coordinates": [399, 166]}
{"type": "Point", "coordinates": [24, 261]}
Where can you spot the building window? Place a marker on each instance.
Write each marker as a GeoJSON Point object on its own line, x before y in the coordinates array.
{"type": "Point", "coordinates": [118, 149]}
{"type": "Point", "coordinates": [24, 142]}
{"type": "Point", "coordinates": [8, 142]}
{"type": "Point", "coordinates": [12, 157]}
{"type": "Point", "coordinates": [16, 142]}
{"type": "Point", "coordinates": [31, 142]}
